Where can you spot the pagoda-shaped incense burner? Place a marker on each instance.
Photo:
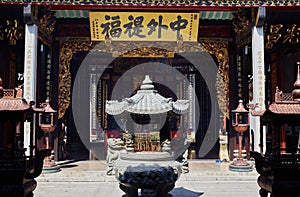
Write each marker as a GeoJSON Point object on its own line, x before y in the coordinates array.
{"type": "Point", "coordinates": [144, 159]}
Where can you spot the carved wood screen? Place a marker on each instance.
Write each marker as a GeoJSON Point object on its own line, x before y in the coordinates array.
{"type": "Point", "coordinates": [70, 48]}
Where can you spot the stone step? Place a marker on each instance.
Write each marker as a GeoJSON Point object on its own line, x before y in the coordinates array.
{"type": "Point", "coordinates": [100, 176]}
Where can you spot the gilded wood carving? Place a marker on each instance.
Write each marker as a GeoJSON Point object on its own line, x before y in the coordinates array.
{"type": "Point", "coordinates": [69, 48]}
{"type": "Point", "coordinates": [220, 51]}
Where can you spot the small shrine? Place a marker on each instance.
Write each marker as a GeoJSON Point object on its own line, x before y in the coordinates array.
{"type": "Point", "coordinates": [21, 159]}
{"type": "Point", "coordinates": [279, 167]}
{"type": "Point", "coordinates": [145, 157]}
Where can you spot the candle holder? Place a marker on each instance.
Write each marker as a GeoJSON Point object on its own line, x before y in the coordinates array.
{"type": "Point", "coordinates": [240, 123]}
{"type": "Point", "coordinates": [47, 124]}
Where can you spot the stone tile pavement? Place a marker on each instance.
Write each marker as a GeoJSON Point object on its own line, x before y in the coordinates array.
{"type": "Point", "coordinates": [95, 171]}
{"type": "Point", "coordinates": [88, 179]}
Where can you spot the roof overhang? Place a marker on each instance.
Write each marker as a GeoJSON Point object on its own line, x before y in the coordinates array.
{"type": "Point", "coordinates": [157, 5]}
{"type": "Point", "coordinates": [13, 104]}
{"type": "Point", "coordinates": [130, 4]}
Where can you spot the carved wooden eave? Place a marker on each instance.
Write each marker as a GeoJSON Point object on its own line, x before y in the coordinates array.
{"type": "Point", "coordinates": [13, 30]}
{"type": "Point", "coordinates": [242, 27]}
{"type": "Point", "coordinates": [145, 50]}
{"type": "Point", "coordinates": [46, 22]}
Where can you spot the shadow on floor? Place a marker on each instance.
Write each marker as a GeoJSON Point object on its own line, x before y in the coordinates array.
{"type": "Point", "coordinates": [183, 192]}
{"type": "Point", "coordinates": [78, 152]}
{"type": "Point", "coordinates": [63, 165]}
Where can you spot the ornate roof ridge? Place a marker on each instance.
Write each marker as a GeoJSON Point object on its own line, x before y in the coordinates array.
{"type": "Point", "coordinates": [151, 3]}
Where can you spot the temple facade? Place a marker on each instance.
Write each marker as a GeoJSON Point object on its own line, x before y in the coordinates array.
{"type": "Point", "coordinates": [247, 48]}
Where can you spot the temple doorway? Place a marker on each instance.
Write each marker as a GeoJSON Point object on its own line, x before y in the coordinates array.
{"type": "Point", "coordinates": [100, 80]}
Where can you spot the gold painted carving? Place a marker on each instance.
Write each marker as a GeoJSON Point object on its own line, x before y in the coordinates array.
{"type": "Point", "coordinates": [146, 49]}
{"type": "Point", "coordinates": [241, 24]}
{"type": "Point", "coordinates": [285, 35]}
{"type": "Point", "coordinates": [292, 34]}
{"type": "Point", "coordinates": [274, 36]}
{"type": "Point", "coordinates": [1, 33]}
{"type": "Point", "coordinates": [67, 50]}
{"type": "Point", "coordinates": [14, 31]}
{"type": "Point", "coordinates": [46, 24]}
{"type": "Point", "coordinates": [149, 52]}
{"type": "Point", "coordinates": [220, 51]}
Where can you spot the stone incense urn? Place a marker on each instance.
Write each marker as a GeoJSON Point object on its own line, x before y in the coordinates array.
{"type": "Point", "coordinates": [155, 174]}
{"type": "Point", "coordinates": [147, 162]}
